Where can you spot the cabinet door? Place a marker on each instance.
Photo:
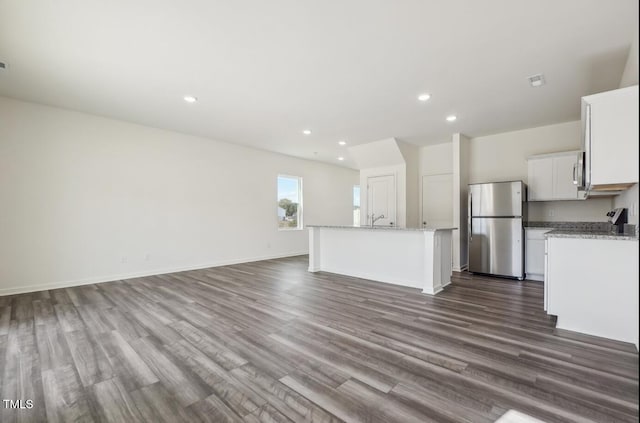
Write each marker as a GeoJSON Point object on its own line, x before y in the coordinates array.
{"type": "Point", "coordinates": [540, 173]}
{"type": "Point", "coordinates": [535, 257]}
{"type": "Point", "coordinates": [546, 276]}
{"type": "Point", "coordinates": [563, 170]}
{"type": "Point", "coordinates": [614, 136]}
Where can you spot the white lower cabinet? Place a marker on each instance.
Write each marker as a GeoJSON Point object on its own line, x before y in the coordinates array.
{"type": "Point", "coordinates": [546, 272]}
{"type": "Point", "coordinates": [591, 285]}
{"type": "Point", "coordinates": [534, 253]}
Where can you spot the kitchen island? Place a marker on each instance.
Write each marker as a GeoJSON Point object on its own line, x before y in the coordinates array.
{"type": "Point", "coordinates": [413, 257]}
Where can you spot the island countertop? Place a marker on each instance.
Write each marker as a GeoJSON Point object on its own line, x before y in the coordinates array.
{"type": "Point", "coordinates": [385, 228]}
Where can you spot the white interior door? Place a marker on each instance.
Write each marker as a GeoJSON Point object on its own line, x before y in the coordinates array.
{"type": "Point", "coordinates": [437, 200]}
{"type": "Point", "coordinates": [381, 199]}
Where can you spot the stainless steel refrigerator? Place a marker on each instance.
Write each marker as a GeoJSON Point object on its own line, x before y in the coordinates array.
{"type": "Point", "coordinates": [497, 212]}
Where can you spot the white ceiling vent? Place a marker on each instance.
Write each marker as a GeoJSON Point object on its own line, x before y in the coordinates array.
{"type": "Point", "coordinates": [537, 80]}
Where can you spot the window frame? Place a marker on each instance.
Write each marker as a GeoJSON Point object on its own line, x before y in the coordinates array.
{"type": "Point", "coordinates": [300, 221]}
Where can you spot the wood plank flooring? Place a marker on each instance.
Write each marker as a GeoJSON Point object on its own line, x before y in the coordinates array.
{"type": "Point", "coordinates": [271, 342]}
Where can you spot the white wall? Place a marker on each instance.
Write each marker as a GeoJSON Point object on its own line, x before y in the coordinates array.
{"type": "Point", "coordinates": [630, 73]}
{"type": "Point", "coordinates": [436, 159]}
{"type": "Point", "coordinates": [375, 154]}
{"type": "Point", "coordinates": [591, 210]}
{"type": "Point", "coordinates": [87, 199]}
{"type": "Point", "coordinates": [503, 157]}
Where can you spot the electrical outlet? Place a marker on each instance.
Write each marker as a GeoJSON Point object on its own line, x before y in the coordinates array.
{"type": "Point", "coordinates": [146, 257]}
{"type": "Point", "coordinates": [123, 259]}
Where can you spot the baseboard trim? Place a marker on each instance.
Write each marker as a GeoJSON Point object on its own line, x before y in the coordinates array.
{"type": "Point", "coordinates": [462, 268]}
{"type": "Point", "coordinates": [435, 291]}
{"type": "Point", "coordinates": [112, 278]}
{"type": "Point", "coordinates": [534, 277]}
{"type": "Point", "coordinates": [579, 329]}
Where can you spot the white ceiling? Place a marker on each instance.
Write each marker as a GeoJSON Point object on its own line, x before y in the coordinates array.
{"type": "Point", "coordinates": [347, 69]}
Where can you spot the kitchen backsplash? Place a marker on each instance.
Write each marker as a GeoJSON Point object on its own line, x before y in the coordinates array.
{"type": "Point", "coordinates": [592, 210]}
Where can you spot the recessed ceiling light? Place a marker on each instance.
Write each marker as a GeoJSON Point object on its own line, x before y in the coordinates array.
{"type": "Point", "coordinates": [537, 80]}
{"type": "Point", "coordinates": [451, 118]}
{"type": "Point", "coordinates": [424, 97]}
{"type": "Point", "coordinates": [190, 99]}
{"type": "Point", "coordinates": [307, 132]}
{"type": "Point", "coordinates": [342, 142]}
{"type": "Point", "coordinates": [341, 158]}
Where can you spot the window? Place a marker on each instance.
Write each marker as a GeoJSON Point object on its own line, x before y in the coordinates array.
{"type": "Point", "coordinates": [356, 205]}
{"type": "Point", "coordinates": [289, 202]}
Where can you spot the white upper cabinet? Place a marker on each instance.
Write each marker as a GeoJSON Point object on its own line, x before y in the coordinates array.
{"type": "Point", "coordinates": [551, 176]}
{"type": "Point", "coordinates": [610, 138]}
{"type": "Point", "coordinates": [540, 179]}
{"type": "Point", "coordinates": [564, 171]}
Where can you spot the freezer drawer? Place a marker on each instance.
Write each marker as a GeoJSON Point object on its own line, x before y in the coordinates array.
{"type": "Point", "coordinates": [496, 246]}
{"type": "Point", "coordinates": [496, 199]}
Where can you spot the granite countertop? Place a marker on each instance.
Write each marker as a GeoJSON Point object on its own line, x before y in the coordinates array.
{"type": "Point", "coordinates": [581, 230]}
{"type": "Point", "coordinates": [572, 226]}
{"type": "Point", "coordinates": [383, 228]}
{"type": "Point", "coordinates": [585, 234]}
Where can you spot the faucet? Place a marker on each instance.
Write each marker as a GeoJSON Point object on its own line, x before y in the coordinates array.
{"type": "Point", "coordinates": [375, 219]}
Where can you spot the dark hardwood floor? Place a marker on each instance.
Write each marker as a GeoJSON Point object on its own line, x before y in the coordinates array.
{"type": "Point", "coordinates": [270, 342]}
